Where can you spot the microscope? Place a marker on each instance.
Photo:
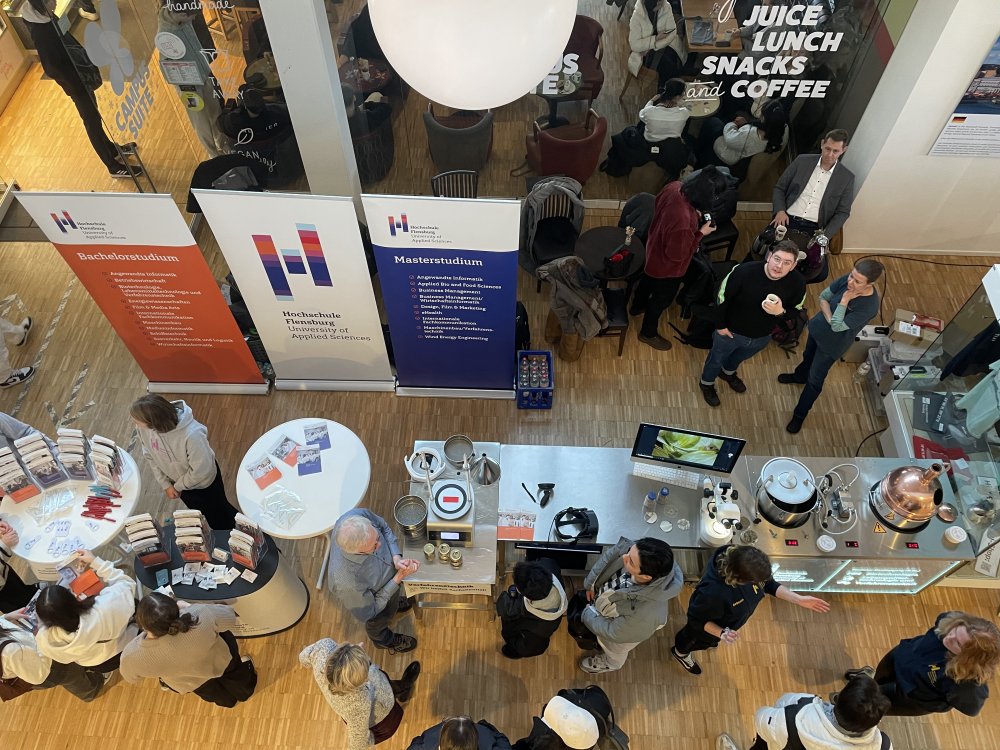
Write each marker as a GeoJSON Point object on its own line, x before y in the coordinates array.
{"type": "Point", "coordinates": [720, 515]}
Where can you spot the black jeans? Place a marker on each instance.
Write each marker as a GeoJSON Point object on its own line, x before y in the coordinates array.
{"type": "Point", "coordinates": [15, 592]}
{"type": "Point", "coordinates": [233, 686]}
{"type": "Point", "coordinates": [693, 638]}
{"type": "Point", "coordinates": [378, 627]}
{"type": "Point", "coordinates": [83, 682]}
{"type": "Point", "coordinates": [654, 296]}
{"type": "Point", "coordinates": [86, 106]}
{"type": "Point", "coordinates": [812, 371]}
{"type": "Point", "coordinates": [212, 502]}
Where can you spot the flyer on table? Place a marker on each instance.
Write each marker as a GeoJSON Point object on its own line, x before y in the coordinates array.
{"type": "Point", "coordinates": [448, 270]}
{"type": "Point", "coordinates": [137, 259]}
{"type": "Point", "coordinates": [301, 268]}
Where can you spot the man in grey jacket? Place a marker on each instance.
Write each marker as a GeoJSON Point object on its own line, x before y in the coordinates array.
{"type": "Point", "coordinates": [629, 589]}
{"type": "Point", "coordinates": [366, 570]}
{"type": "Point", "coordinates": [816, 190]}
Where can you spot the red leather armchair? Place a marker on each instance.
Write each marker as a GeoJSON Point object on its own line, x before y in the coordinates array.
{"type": "Point", "coordinates": [585, 41]}
{"type": "Point", "coordinates": [571, 150]}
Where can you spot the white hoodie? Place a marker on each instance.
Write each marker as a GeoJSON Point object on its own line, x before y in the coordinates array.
{"type": "Point", "coordinates": [816, 730]}
{"type": "Point", "coordinates": [181, 458]}
{"type": "Point", "coordinates": [104, 630]}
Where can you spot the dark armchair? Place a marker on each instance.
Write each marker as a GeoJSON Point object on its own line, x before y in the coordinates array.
{"type": "Point", "coordinates": [585, 42]}
{"type": "Point", "coordinates": [459, 141]}
{"type": "Point", "coordinates": [571, 150]}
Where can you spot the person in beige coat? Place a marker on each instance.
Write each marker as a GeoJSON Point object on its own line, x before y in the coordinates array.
{"type": "Point", "coordinates": [655, 43]}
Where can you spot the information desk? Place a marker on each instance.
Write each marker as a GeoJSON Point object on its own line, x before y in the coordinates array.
{"type": "Point", "coordinates": [327, 495]}
{"type": "Point", "coordinates": [601, 479]}
{"type": "Point", "coordinates": [478, 574]}
{"type": "Point", "coordinates": [275, 601]}
{"type": "Point", "coordinates": [35, 538]}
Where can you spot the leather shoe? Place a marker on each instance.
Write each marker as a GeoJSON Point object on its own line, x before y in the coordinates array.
{"type": "Point", "coordinates": [710, 394]}
{"type": "Point", "coordinates": [405, 605]}
{"type": "Point", "coordinates": [657, 342]}
{"type": "Point", "coordinates": [788, 378]}
{"type": "Point", "coordinates": [794, 425]}
{"type": "Point", "coordinates": [735, 382]}
{"type": "Point", "coordinates": [850, 674]}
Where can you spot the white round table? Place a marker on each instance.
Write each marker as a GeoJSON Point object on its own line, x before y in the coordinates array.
{"type": "Point", "coordinates": [327, 495]}
{"type": "Point", "coordinates": [93, 533]}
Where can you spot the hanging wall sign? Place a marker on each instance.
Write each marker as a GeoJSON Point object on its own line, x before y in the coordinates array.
{"type": "Point", "coordinates": [139, 262]}
{"type": "Point", "coordinates": [300, 266]}
{"type": "Point", "coordinates": [448, 270]}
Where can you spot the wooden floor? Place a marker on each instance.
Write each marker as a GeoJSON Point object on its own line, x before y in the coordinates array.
{"type": "Point", "coordinates": [86, 379]}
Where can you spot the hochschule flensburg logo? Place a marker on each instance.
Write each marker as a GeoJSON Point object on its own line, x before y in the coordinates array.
{"type": "Point", "coordinates": [64, 221]}
{"type": "Point", "coordinates": [401, 224]}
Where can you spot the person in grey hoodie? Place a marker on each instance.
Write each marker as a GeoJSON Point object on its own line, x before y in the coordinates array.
{"type": "Point", "coordinates": [531, 610]}
{"type": "Point", "coordinates": [628, 588]}
{"type": "Point", "coordinates": [176, 446]}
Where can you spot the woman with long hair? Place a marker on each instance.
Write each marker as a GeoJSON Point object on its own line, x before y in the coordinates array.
{"type": "Point", "coordinates": [657, 137]}
{"type": "Point", "coordinates": [359, 691]}
{"type": "Point", "coordinates": [946, 668]}
{"type": "Point", "coordinates": [92, 631]}
{"type": "Point", "coordinates": [734, 583]}
{"type": "Point", "coordinates": [176, 446]}
{"type": "Point", "coordinates": [190, 649]}
{"type": "Point", "coordinates": [733, 143]}
{"type": "Point", "coordinates": [654, 41]}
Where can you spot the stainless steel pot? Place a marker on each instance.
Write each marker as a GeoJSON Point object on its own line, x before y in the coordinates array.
{"type": "Point", "coordinates": [908, 497]}
{"type": "Point", "coordinates": [786, 492]}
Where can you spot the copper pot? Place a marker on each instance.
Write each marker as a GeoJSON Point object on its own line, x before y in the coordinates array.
{"type": "Point", "coordinates": [909, 496]}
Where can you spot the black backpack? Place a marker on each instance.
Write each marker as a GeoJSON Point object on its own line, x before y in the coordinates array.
{"type": "Point", "coordinates": [787, 332]}
{"type": "Point", "coordinates": [596, 702]}
{"type": "Point", "coordinates": [522, 330]}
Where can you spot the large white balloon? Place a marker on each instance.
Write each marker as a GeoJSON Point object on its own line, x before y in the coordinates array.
{"type": "Point", "coordinates": [472, 54]}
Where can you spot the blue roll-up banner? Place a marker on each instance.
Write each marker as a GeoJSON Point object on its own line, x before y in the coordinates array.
{"type": "Point", "coordinates": [448, 271]}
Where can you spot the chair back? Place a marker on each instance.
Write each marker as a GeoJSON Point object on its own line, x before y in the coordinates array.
{"type": "Point", "coordinates": [459, 141]}
{"type": "Point", "coordinates": [461, 183]}
{"type": "Point", "coordinates": [556, 205]}
{"type": "Point", "coordinates": [585, 41]}
{"type": "Point", "coordinates": [573, 150]}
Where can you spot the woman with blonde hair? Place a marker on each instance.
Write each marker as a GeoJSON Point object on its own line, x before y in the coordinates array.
{"type": "Point", "coordinates": [359, 691]}
{"type": "Point", "coordinates": [734, 583]}
{"type": "Point", "coordinates": [946, 668]}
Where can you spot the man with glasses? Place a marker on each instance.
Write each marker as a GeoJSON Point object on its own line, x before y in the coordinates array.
{"type": "Point", "coordinates": [366, 570]}
{"type": "Point", "coordinates": [845, 307]}
{"type": "Point", "coordinates": [751, 299]}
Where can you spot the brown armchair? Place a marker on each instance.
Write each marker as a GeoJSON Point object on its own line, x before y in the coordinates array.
{"type": "Point", "coordinates": [585, 41]}
{"type": "Point", "coordinates": [571, 150]}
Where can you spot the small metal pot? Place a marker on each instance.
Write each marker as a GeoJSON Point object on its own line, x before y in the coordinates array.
{"type": "Point", "coordinates": [786, 492]}
{"type": "Point", "coordinates": [410, 512]}
{"type": "Point", "coordinates": [458, 450]}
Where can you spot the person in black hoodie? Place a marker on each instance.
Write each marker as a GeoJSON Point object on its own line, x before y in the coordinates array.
{"type": "Point", "coordinates": [562, 726]}
{"type": "Point", "coordinates": [461, 733]}
{"type": "Point", "coordinates": [531, 610]}
{"type": "Point", "coordinates": [948, 667]}
{"type": "Point", "coordinates": [732, 586]}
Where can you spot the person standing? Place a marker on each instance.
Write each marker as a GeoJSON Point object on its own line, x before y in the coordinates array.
{"type": "Point", "coordinates": [461, 733]}
{"type": "Point", "coordinates": [9, 376]}
{"type": "Point", "coordinates": [628, 591]}
{"type": "Point", "coordinates": [183, 462]}
{"type": "Point", "coordinates": [359, 691]}
{"type": "Point", "coordinates": [92, 632]}
{"type": "Point", "coordinates": [190, 649]}
{"type": "Point", "coordinates": [947, 668]}
{"type": "Point", "coordinates": [530, 611]}
{"type": "Point", "coordinates": [563, 725]}
{"type": "Point", "coordinates": [21, 658]}
{"type": "Point", "coordinates": [366, 570]}
{"type": "Point", "coordinates": [750, 300]}
{"type": "Point", "coordinates": [734, 583]}
{"type": "Point", "coordinates": [845, 307]}
{"type": "Point", "coordinates": [801, 720]}
{"type": "Point", "coordinates": [816, 191]}
{"type": "Point", "coordinates": [678, 225]}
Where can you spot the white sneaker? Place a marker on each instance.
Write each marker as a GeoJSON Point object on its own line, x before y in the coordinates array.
{"type": "Point", "coordinates": [26, 327]}
{"type": "Point", "coordinates": [88, 14]}
{"type": "Point", "coordinates": [725, 742]}
{"type": "Point", "coordinates": [595, 664]}
{"type": "Point", "coordinates": [18, 376]}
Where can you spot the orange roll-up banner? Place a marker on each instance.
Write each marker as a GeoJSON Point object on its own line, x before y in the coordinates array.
{"type": "Point", "coordinates": [137, 258]}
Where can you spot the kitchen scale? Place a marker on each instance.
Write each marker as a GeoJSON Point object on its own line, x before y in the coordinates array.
{"type": "Point", "coordinates": [451, 512]}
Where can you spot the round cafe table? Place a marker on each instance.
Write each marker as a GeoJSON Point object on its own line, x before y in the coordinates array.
{"type": "Point", "coordinates": [35, 538]}
{"type": "Point", "coordinates": [596, 244]}
{"type": "Point", "coordinates": [326, 495]}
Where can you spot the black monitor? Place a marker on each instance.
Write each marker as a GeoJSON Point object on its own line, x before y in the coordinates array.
{"type": "Point", "coordinates": [658, 445]}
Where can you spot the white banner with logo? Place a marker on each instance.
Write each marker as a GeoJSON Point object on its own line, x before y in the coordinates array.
{"type": "Point", "coordinates": [300, 266]}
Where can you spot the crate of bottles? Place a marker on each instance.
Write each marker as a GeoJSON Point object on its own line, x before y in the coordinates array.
{"type": "Point", "coordinates": [534, 379]}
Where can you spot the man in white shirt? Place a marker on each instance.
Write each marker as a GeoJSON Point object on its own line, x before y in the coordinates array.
{"type": "Point", "coordinates": [816, 191]}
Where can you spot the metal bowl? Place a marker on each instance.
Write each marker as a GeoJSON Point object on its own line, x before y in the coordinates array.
{"type": "Point", "coordinates": [458, 449]}
{"type": "Point", "coordinates": [947, 513]}
{"type": "Point", "coordinates": [410, 512]}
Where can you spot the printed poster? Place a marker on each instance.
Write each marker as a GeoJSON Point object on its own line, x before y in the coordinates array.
{"type": "Point", "coordinates": [137, 259]}
{"type": "Point", "coordinates": [448, 270]}
{"type": "Point", "coordinates": [974, 128]}
{"type": "Point", "coordinates": [301, 268]}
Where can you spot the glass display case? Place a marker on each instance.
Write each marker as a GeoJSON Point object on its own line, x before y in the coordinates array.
{"type": "Point", "coordinates": [948, 407]}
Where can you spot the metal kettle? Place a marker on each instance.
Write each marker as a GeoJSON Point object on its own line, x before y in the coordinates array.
{"type": "Point", "coordinates": [484, 471]}
{"type": "Point", "coordinates": [912, 492]}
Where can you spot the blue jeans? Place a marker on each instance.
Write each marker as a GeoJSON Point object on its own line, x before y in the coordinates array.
{"type": "Point", "coordinates": [728, 353]}
{"type": "Point", "coordinates": [812, 371]}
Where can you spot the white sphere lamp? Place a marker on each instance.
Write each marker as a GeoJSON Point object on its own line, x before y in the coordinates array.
{"type": "Point", "coordinates": [472, 54]}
